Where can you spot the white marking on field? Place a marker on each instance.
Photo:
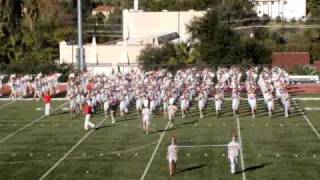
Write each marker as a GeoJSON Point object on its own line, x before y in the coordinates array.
{"type": "Point", "coordinates": [188, 155]}
{"type": "Point", "coordinates": [277, 155]}
{"type": "Point", "coordinates": [312, 108]}
{"type": "Point", "coordinates": [154, 152]}
{"type": "Point", "coordinates": [7, 104]}
{"type": "Point", "coordinates": [307, 119]}
{"type": "Point", "coordinates": [203, 146]}
{"type": "Point", "coordinates": [69, 152]}
{"type": "Point", "coordinates": [241, 150]}
{"type": "Point", "coordinates": [29, 124]}
{"type": "Point", "coordinates": [206, 155]}
{"type": "Point", "coordinates": [314, 156]}
{"type": "Point", "coordinates": [296, 155]}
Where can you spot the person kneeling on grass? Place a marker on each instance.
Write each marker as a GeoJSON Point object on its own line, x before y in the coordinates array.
{"type": "Point", "coordinates": [172, 156]}
{"type": "Point", "coordinates": [87, 113]}
{"type": "Point", "coordinates": [47, 102]}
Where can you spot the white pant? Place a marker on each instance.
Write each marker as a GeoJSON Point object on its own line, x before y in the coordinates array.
{"type": "Point", "coordinates": [87, 122]}
{"type": "Point", "coordinates": [233, 164]}
{"type": "Point", "coordinates": [47, 109]}
{"type": "Point", "coordinates": [218, 105]}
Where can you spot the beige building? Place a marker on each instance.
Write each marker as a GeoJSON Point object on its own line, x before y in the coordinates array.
{"type": "Point", "coordinates": [139, 30]}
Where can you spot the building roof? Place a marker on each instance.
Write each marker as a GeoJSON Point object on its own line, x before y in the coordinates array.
{"type": "Point", "coordinates": [288, 60]}
{"type": "Point", "coordinates": [104, 8]}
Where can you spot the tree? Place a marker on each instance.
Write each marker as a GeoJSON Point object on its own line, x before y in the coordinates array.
{"type": "Point", "coordinates": [219, 45]}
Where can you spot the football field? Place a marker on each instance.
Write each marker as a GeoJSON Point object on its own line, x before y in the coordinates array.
{"type": "Point", "coordinates": [57, 147]}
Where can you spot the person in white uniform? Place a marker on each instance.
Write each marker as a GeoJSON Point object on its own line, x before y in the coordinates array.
{"type": "Point", "coordinates": [146, 118]}
{"type": "Point", "coordinates": [172, 156]}
{"type": "Point", "coordinates": [233, 153]}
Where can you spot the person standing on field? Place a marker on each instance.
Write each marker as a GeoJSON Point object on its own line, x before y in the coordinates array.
{"type": "Point", "coordinates": [233, 153]}
{"type": "Point", "coordinates": [47, 102]}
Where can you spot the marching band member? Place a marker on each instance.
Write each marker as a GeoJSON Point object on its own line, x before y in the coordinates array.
{"type": "Point", "coordinates": [172, 156]}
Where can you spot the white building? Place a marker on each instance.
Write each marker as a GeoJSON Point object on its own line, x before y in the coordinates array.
{"type": "Point", "coordinates": [140, 29]}
{"type": "Point", "coordinates": [288, 9]}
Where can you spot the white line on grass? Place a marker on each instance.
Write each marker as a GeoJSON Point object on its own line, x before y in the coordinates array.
{"type": "Point", "coordinates": [29, 124]}
{"type": "Point", "coordinates": [70, 151]}
{"type": "Point", "coordinates": [307, 119]}
{"type": "Point", "coordinates": [154, 152]}
{"type": "Point", "coordinates": [241, 151]}
{"type": "Point", "coordinates": [11, 102]}
{"type": "Point", "coordinates": [203, 146]}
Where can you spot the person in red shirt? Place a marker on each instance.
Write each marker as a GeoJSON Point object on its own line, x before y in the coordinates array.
{"type": "Point", "coordinates": [88, 111]}
{"type": "Point", "coordinates": [47, 102]}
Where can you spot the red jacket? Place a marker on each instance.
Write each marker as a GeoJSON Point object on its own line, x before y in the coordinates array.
{"type": "Point", "coordinates": [47, 98]}
{"type": "Point", "coordinates": [87, 109]}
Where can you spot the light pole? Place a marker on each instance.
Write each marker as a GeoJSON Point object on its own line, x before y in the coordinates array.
{"type": "Point", "coordinates": [80, 50]}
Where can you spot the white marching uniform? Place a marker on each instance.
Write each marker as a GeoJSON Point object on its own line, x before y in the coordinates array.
{"type": "Point", "coordinates": [146, 116]}
{"type": "Point", "coordinates": [233, 154]}
{"type": "Point", "coordinates": [173, 153]}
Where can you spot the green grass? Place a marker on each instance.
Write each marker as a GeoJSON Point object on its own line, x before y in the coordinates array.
{"type": "Point", "coordinates": [123, 152]}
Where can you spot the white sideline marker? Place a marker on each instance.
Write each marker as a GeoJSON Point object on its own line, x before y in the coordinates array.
{"type": "Point", "coordinates": [70, 151]}
{"type": "Point", "coordinates": [154, 152]}
{"type": "Point", "coordinates": [307, 119]}
{"type": "Point", "coordinates": [29, 124]}
{"type": "Point", "coordinates": [241, 151]}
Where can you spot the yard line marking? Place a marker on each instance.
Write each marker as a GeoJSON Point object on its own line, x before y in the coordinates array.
{"type": "Point", "coordinates": [241, 151]}
{"type": "Point", "coordinates": [200, 146]}
{"type": "Point", "coordinates": [70, 151]}
{"type": "Point", "coordinates": [7, 104]}
{"type": "Point", "coordinates": [307, 119]}
{"type": "Point", "coordinates": [29, 124]}
{"type": "Point", "coordinates": [154, 152]}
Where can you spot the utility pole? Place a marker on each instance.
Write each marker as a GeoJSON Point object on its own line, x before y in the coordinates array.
{"type": "Point", "coordinates": [80, 50]}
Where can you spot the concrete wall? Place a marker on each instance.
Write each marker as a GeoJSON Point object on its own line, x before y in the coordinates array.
{"type": "Point", "coordinates": [273, 8]}
{"type": "Point", "coordinates": [101, 54]}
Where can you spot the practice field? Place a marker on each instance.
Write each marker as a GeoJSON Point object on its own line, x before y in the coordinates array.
{"type": "Point", "coordinates": [36, 147]}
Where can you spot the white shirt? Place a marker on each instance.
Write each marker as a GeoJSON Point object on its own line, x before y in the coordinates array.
{"type": "Point", "coordinates": [233, 149]}
{"type": "Point", "coordinates": [173, 151]}
{"type": "Point", "coordinates": [146, 113]}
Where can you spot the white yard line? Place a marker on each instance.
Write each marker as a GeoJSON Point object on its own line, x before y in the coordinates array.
{"type": "Point", "coordinates": [204, 146]}
{"type": "Point", "coordinates": [29, 124]}
{"type": "Point", "coordinates": [154, 152]}
{"type": "Point", "coordinates": [241, 150]}
{"type": "Point", "coordinates": [70, 151]}
{"type": "Point", "coordinates": [307, 119]}
{"type": "Point", "coordinates": [4, 105]}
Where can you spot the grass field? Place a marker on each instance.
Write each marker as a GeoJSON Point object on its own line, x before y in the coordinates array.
{"type": "Point", "coordinates": [57, 147]}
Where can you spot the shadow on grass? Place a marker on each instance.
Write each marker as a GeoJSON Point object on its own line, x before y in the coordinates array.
{"type": "Point", "coordinates": [103, 127]}
{"type": "Point", "coordinates": [192, 168]}
{"type": "Point", "coordinates": [253, 168]}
